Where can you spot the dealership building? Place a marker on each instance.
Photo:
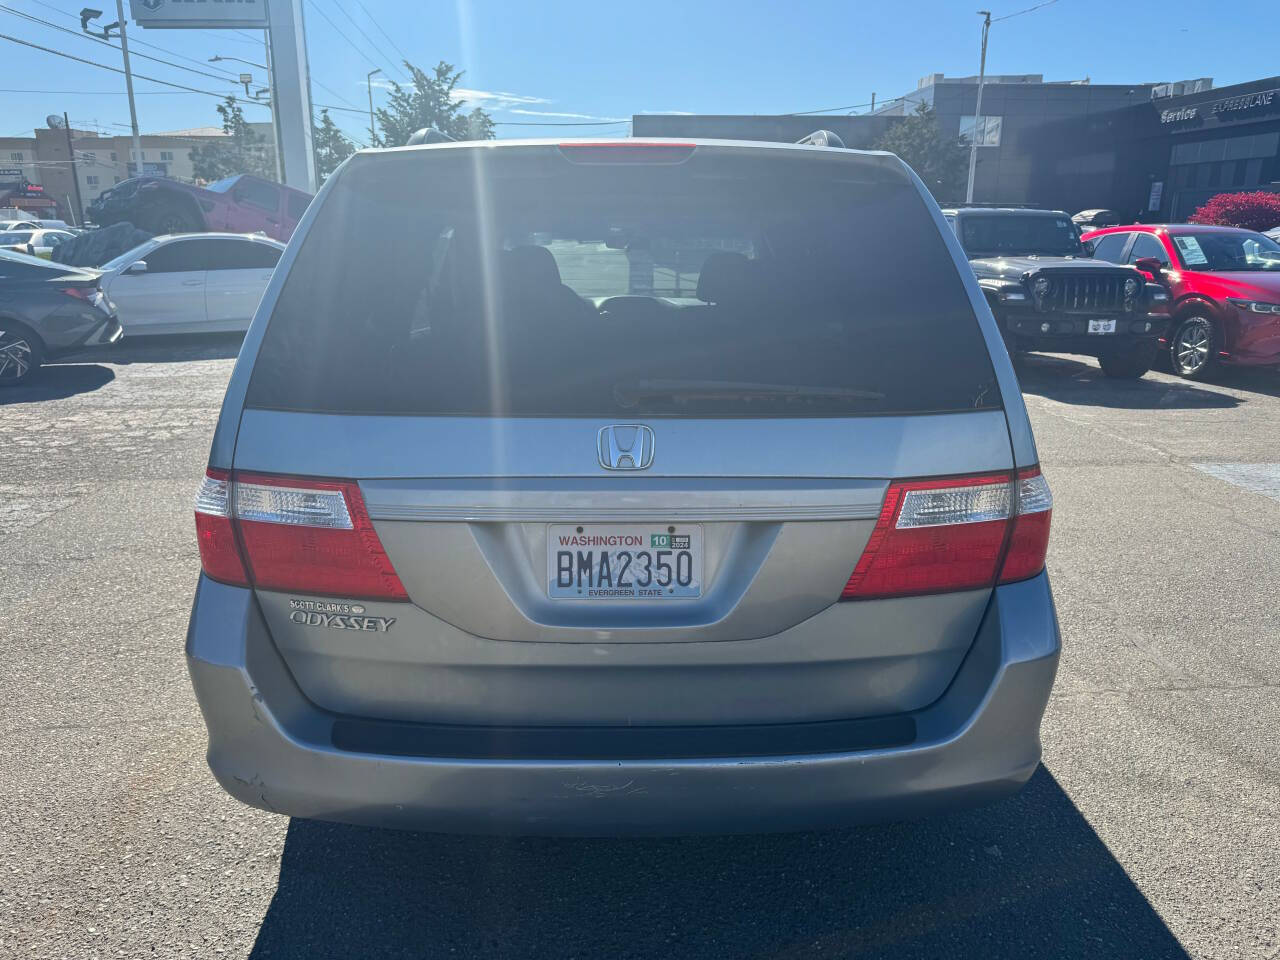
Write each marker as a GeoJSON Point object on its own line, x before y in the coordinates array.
{"type": "Point", "coordinates": [1151, 151]}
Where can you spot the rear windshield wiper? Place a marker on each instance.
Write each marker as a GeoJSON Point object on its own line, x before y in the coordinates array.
{"type": "Point", "coordinates": [630, 393]}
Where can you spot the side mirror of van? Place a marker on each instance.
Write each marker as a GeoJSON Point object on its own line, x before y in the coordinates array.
{"type": "Point", "coordinates": [137, 267]}
{"type": "Point", "coordinates": [1148, 265]}
{"type": "Point", "coordinates": [1089, 247]}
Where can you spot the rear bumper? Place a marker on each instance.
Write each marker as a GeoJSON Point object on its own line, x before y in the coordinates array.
{"type": "Point", "coordinates": [81, 332]}
{"type": "Point", "coordinates": [272, 748]}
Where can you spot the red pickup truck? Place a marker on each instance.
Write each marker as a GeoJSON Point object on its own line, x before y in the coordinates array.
{"type": "Point", "coordinates": [239, 204]}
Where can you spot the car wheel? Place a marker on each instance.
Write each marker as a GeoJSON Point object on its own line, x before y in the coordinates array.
{"type": "Point", "coordinates": [21, 354]}
{"type": "Point", "coordinates": [1192, 347]}
{"type": "Point", "coordinates": [168, 218]}
{"type": "Point", "coordinates": [1128, 362]}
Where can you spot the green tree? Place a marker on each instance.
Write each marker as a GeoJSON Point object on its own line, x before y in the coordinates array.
{"type": "Point", "coordinates": [942, 162]}
{"type": "Point", "coordinates": [331, 146]}
{"type": "Point", "coordinates": [429, 102]}
{"type": "Point", "coordinates": [243, 150]}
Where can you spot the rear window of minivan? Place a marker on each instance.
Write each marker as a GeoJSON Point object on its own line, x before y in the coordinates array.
{"type": "Point", "coordinates": [511, 281]}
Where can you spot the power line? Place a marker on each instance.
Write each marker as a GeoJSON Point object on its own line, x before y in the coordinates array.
{"type": "Point", "coordinates": [374, 21]}
{"type": "Point", "coordinates": [1010, 16]}
{"type": "Point", "coordinates": [140, 43]}
{"type": "Point", "coordinates": [101, 93]}
{"type": "Point", "coordinates": [97, 40]}
{"type": "Point", "coordinates": [341, 33]}
{"type": "Point", "coordinates": [375, 47]}
{"type": "Point", "coordinates": [334, 93]}
{"type": "Point", "coordinates": [103, 66]}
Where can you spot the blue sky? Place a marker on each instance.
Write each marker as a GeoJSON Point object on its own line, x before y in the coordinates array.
{"type": "Point", "coordinates": [559, 62]}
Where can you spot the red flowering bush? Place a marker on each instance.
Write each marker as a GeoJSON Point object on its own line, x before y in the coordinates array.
{"type": "Point", "coordinates": [1258, 210]}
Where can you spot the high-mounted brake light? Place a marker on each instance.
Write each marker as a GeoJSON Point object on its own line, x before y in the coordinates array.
{"type": "Point", "coordinates": [627, 151]}
{"type": "Point", "coordinates": [958, 533]}
{"type": "Point", "coordinates": [296, 534]}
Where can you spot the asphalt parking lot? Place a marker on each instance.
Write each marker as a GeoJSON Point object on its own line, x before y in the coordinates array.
{"type": "Point", "coordinates": [1152, 830]}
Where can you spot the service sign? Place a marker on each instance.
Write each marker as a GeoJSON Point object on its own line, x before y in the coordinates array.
{"type": "Point", "coordinates": [191, 14]}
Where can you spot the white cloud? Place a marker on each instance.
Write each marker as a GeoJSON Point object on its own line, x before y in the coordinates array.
{"type": "Point", "coordinates": [489, 99]}
{"type": "Point", "coordinates": [566, 116]}
{"type": "Point", "coordinates": [495, 99]}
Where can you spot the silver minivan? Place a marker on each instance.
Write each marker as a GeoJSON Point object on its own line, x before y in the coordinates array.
{"type": "Point", "coordinates": [622, 487]}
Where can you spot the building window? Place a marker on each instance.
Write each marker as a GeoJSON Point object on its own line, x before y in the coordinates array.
{"type": "Point", "coordinates": [91, 156]}
{"type": "Point", "coordinates": [91, 180]}
{"type": "Point", "coordinates": [166, 155]}
{"type": "Point", "coordinates": [114, 157]}
{"type": "Point", "coordinates": [987, 128]}
{"type": "Point", "coordinates": [16, 157]}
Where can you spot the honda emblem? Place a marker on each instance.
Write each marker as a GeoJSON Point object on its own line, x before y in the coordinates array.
{"type": "Point", "coordinates": [625, 446]}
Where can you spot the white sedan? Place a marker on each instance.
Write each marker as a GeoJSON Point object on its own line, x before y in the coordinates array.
{"type": "Point", "coordinates": [38, 242]}
{"type": "Point", "coordinates": [190, 282]}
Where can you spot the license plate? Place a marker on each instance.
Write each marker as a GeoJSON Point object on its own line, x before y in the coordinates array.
{"type": "Point", "coordinates": [624, 561]}
{"type": "Point", "coordinates": [1102, 326]}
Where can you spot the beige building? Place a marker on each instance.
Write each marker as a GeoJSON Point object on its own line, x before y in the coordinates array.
{"type": "Point", "coordinates": [102, 161]}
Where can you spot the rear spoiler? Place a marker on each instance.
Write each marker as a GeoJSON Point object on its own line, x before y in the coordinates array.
{"type": "Point", "coordinates": [822, 138]}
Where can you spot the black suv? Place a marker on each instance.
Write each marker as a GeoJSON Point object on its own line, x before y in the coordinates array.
{"type": "Point", "coordinates": [1047, 294]}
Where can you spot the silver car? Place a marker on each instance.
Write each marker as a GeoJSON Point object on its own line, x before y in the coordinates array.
{"type": "Point", "coordinates": [609, 488]}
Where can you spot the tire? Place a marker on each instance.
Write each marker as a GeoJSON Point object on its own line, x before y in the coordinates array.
{"type": "Point", "coordinates": [1128, 362]}
{"type": "Point", "coordinates": [1193, 347]}
{"type": "Point", "coordinates": [166, 217]}
{"type": "Point", "coordinates": [21, 354]}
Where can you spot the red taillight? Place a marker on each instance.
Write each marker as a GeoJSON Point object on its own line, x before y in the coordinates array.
{"type": "Point", "coordinates": [1029, 540]}
{"type": "Point", "coordinates": [959, 533]}
{"type": "Point", "coordinates": [296, 534]}
{"type": "Point", "coordinates": [219, 553]}
{"type": "Point", "coordinates": [80, 293]}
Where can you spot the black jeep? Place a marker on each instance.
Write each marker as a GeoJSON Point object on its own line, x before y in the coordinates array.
{"type": "Point", "coordinates": [1047, 294]}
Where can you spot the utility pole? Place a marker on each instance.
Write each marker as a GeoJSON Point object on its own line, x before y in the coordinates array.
{"type": "Point", "coordinates": [87, 14]}
{"type": "Point", "coordinates": [873, 101]}
{"type": "Point", "coordinates": [75, 177]}
{"type": "Point", "coordinates": [369, 81]}
{"type": "Point", "coordinates": [128, 82]}
{"type": "Point", "coordinates": [977, 113]}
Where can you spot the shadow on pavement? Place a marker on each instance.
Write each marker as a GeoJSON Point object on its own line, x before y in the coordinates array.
{"type": "Point", "coordinates": [1069, 380]}
{"type": "Point", "coordinates": [181, 348]}
{"type": "Point", "coordinates": [1026, 877]}
{"type": "Point", "coordinates": [58, 382]}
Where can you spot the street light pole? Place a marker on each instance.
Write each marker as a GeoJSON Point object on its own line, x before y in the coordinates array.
{"type": "Point", "coordinates": [271, 91]}
{"type": "Point", "coordinates": [977, 113]}
{"type": "Point", "coordinates": [369, 81]}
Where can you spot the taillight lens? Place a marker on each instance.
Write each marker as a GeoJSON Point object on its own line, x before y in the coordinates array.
{"type": "Point", "coordinates": [958, 533]}
{"type": "Point", "coordinates": [1029, 539]}
{"type": "Point", "coordinates": [297, 534]}
{"type": "Point", "coordinates": [80, 293]}
{"type": "Point", "coordinates": [219, 553]}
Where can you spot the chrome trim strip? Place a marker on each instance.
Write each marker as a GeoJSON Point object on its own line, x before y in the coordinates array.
{"type": "Point", "coordinates": [548, 500]}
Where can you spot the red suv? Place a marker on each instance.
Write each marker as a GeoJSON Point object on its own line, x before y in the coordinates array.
{"type": "Point", "coordinates": [1224, 285]}
{"type": "Point", "coordinates": [239, 204]}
